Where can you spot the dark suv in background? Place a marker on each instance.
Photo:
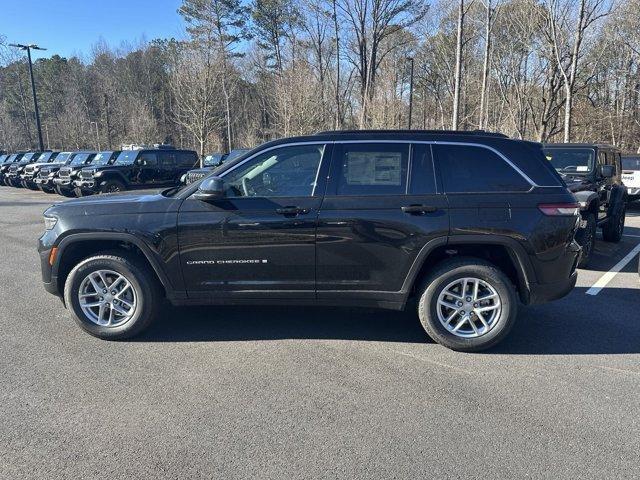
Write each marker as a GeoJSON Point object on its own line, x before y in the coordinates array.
{"type": "Point", "coordinates": [47, 172]}
{"type": "Point", "coordinates": [62, 181]}
{"type": "Point", "coordinates": [460, 226]}
{"type": "Point", "coordinates": [210, 163]}
{"type": "Point", "coordinates": [135, 169]}
{"type": "Point", "coordinates": [4, 168]}
{"type": "Point", "coordinates": [593, 172]}
{"type": "Point", "coordinates": [31, 170]}
{"type": "Point", "coordinates": [17, 168]}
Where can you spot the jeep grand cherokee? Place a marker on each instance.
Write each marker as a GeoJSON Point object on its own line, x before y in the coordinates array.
{"type": "Point", "coordinates": [459, 225]}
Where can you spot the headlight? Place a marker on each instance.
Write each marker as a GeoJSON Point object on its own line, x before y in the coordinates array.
{"type": "Point", "coordinates": [49, 222]}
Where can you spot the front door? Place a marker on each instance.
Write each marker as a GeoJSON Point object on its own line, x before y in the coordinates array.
{"type": "Point", "coordinates": [259, 241]}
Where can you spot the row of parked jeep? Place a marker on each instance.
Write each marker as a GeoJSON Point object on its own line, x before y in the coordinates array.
{"type": "Point", "coordinates": [81, 173]}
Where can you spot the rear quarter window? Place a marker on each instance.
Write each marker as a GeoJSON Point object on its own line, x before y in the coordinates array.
{"type": "Point", "coordinates": [476, 169]}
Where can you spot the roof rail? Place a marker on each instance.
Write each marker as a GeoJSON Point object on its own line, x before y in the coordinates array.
{"type": "Point", "coordinates": [432, 132]}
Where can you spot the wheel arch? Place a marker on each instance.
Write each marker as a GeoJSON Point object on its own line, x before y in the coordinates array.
{"type": "Point", "coordinates": [504, 252]}
{"type": "Point", "coordinates": [75, 247]}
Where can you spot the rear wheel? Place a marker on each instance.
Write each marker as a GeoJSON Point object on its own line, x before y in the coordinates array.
{"type": "Point", "coordinates": [112, 186]}
{"type": "Point", "coordinates": [112, 297]}
{"type": "Point", "coordinates": [586, 238]}
{"type": "Point", "coordinates": [467, 304]}
{"type": "Point", "coordinates": [613, 229]}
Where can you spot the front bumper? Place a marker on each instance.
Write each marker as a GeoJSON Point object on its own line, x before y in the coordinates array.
{"type": "Point", "coordinates": [45, 182]}
{"type": "Point", "coordinates": [63, 182]}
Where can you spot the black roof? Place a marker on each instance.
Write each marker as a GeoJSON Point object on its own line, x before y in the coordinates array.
{"type": "Point", "coordinates": [414, 132]}
{"type": "Point", "coordinates": [581, 145]}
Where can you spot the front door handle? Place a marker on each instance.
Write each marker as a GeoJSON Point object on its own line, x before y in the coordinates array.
{"type": "Point", "coordinates": [419, 209]}
{"type": "Point", "coordinates": [292, 211]}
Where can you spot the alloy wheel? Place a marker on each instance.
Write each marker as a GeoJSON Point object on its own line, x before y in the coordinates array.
{"type": "Point", "coordinates": [469, 307]}
{"type": "Point", "coordinates": [107, 298]}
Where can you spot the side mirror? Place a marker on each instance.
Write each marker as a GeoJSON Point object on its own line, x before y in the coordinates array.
{"type": "Point", "coordinates": [211, 188]}
{"type": "Point", "coordinates": [607, 171]}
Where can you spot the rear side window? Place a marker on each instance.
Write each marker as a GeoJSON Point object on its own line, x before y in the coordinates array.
{"type": "Point", "coordinates": [186, 159]}
{"type": "Point", "coordinates": [372, 169]}
{"type": "Point", "coordinates": [471, 169]}
{"type": "Point", "coordinates": [167, 160]}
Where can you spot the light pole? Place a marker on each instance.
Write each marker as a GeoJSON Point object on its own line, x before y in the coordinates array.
{"type": "Point", "coordinates": [28, 48]}
{"type": "Point", "coordinates": [97, 134]}
{"type": "Point", "coordinates": [410, 91]}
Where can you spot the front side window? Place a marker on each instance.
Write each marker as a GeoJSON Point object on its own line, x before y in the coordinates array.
{"type": "Point", "coordinates": [282, 172]}
{"type": "Point", "coordinates": [372, 169]}
{"type": "Point", "coordinates": [471, 169]}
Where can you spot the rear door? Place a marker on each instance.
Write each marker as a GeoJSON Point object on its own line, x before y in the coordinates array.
{"type": "Point", "coordinates": [381, 208]}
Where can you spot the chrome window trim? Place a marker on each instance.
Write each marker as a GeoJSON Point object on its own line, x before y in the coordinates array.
{"type": "Point", "coordinates": [422, 142]}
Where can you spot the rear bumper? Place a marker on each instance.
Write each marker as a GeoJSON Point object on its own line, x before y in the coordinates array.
{"type": "Point", "coordinates": [635, 191]}
{"type": "Point", "coordinates": [564, 280]}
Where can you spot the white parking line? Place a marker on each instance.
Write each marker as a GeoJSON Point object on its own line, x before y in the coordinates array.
{"type": "Point", "coordinates": [607, 277]}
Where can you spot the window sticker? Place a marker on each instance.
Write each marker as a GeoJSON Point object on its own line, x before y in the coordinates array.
{"type": "Point", "coordinates": [374, 168]}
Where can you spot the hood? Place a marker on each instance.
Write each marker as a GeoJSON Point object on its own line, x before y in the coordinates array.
{"type": "Point", "coordinates": [201, 170]}
{"type": "Point", "coordinates": [575, 184]}
{"type": "Point", "coordinates": [116, 204]}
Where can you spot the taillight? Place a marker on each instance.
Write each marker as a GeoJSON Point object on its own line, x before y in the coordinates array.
{"type": "Point", "coordinates": [560, 209]}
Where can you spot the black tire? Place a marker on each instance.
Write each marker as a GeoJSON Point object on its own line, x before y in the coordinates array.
{"type": "Point", "coordinates": [612, 231]}
{"type": "Point", "coordinates": [112, 186]}
{"type": "Point", "coordinates": [457, 268]}
{"type": "Point", "coordinates": [64, 192]}
{"type": "Point", "coordinates": [586, 238]}
{"type": "Point", "coordinates": [141, 277]}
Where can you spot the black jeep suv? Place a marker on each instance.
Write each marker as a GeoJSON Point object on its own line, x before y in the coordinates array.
{"type": "Point", "coordinates": [43, 180]}
{"type": "Point", "coordinates": [31, 170]}
{"type": "Point", "coordinates": [4, 168]}
{"type": "Point", "coordinates": [16, 169]}
{"type": "Point", "coordinates": [458, 225]}
{"type": "Point", "coordinates": [210, 163]}
{"type": "Point", "coordinates": [593, 173]}
{"type": "Point", "coordinates": [135, 169]}
{"type": "Point", "coordinates": [62, 179]}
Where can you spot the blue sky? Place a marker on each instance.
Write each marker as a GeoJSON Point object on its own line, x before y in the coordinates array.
{"type": "Point", "coordinates": [68, 27]}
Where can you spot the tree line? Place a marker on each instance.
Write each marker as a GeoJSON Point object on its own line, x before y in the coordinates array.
{"type": "Point", "coordinates": [244, 73]}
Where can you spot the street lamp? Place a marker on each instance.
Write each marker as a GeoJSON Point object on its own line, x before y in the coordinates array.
{"type": "Point", "coordinates": [410, 91]}
{"type": "Point", "coordinates": [28, 48]}
{"type": "Point", "coordinates": [97, 134]}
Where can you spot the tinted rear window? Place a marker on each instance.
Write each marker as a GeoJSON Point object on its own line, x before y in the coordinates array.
{"type": "Point", "coordinates": [471, 169]}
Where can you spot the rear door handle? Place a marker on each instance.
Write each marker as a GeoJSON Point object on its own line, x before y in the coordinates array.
{"type": "Point", "coordinates": [291, 211]}
{"type": "Point", "coordinates": [419, 209]}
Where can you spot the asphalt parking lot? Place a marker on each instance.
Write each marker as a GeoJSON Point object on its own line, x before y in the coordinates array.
{"type": "Point", "coordinates": [230, 392]}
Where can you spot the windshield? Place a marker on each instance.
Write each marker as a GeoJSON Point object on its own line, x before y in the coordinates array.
{"type": "Point", "coordinates": [63, 157]}
{"type": "Point", "coordinates": [571, 160]}
{"type": "Point", "coordinates": [27, 157]}
{"type": "Point", "coordinates": [44, 158]}
{"type": "Point", "coordinates": [12, 158]}
{"type": "Point", "coordinates": [102, 158]}
{"type": "Point", "coordinates": [80, 159]}
{"type": "Point", "coordinates": [631, 163]}
{"type": "Point", "coordinates": [127, 157]}
{"type": "Point", "coordinates": [3, 158]}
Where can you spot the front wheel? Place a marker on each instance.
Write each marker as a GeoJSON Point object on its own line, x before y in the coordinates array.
{"type": "Point", "coordinates": [112, 297]}
{"type": "Point", "coordinates": [467, 304]}
{"type": "Point", "coordinates": [613, 229]}
{"type": "Point", "coordinates": [112, 186]}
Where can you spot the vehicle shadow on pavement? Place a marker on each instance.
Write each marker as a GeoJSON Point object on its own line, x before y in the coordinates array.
{"type": "Point", "coordinates": [576, 325]}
